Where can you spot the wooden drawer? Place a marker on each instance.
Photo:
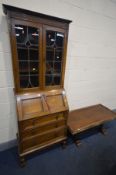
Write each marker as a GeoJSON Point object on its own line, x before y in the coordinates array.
{"type": "Point", "coordinates": [42, 140]}
{"type": "Point", "coordinates": [36, 122]}
{"type": "Point", "coordinates": [61, 133]}
{"type": "Point", "coordinates": [42, 128]}
{"type": "Point", "coordinates": [48, 119]}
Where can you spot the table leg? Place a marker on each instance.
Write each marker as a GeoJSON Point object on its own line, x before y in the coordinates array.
{"type": "Point", "coordinates": [103, 130]}
{"type": "Point", "coordinates": [64, 144]}
{"type": "Point", "coordinates": [77, 141]}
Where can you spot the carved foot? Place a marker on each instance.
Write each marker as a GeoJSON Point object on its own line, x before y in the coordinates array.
{"type": "Point", "coordinates": [78, 143]}
{"type": "Point", "coordinates": [64, 144]}
{"type": "Point", "coordinates": [103, 130]}
{"type": "Point", "coordinates": [22, 162]}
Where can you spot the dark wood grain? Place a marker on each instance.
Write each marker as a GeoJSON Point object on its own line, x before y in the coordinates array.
{"type": "Point", "coordinates": [82, 119]}
{"type": "Point", "coordinates": [9, 8]}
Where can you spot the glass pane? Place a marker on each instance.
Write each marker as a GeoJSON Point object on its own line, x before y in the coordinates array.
{"type": "Point", "coordinates": [58, 55]}
{"type": "Point", "coordinates": [33, 35]}
{"type": "Point", "coordinates": [24, 81]}
{"type": "Point", "coordinates": [57, 80]}
{"type": "Point", "coordinates": [34, 80]}
{"type": "Point", "coordinates": [54, 39]}
{"type": "Point", "coordinates": [27, 39]}
{"type": "Point", "coordinates": [49, 80]}
{"type": "Point", "coordinates": [59, 39]}
{"type": "Point", "coordinates": [22, 54]}
{"type": "Point", "coordinates": [54, 53]}
{"type": "Point", "coordinates": [53, 79]}
{"type": "Point", "coordinates": [33, 54]}
{"type": "Point", "coordinates": [49, 55]}
{"type": "Point", "coordinates": [50, 38]}
{"type": "Point", "coordinates": [57, 67]}
{"type": "Point", "coordinates": [21, 34]}
{"type": "Point", "coordinates": [34, 68]}
{"type": "Point", "coordinates": [23, 67]}
{"type": "Point", "coordinates": [49, 68]}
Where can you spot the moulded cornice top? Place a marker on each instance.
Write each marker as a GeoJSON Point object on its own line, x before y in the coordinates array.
{"type": "Point", "coordinates": [9, 8]}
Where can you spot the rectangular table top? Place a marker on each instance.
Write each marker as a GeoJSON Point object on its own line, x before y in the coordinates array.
{"type": "Point", "coordinates": [85, 118]}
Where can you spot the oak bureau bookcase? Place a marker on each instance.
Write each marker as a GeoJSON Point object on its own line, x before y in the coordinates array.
{"type": "Point", "coordinates": [38, 44]}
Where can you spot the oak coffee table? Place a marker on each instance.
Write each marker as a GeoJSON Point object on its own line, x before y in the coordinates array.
{"type": "Point", "coordinates": [80, 120]}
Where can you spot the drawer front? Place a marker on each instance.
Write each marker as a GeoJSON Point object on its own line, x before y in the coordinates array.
{"type": "Point", "coordinates": [43, 139]}
{"type": "Point", "coordinates": [36, 122]}
{"type": "Point", "coordinates": [62, 133]}
{"type": "Point", "coordinates": [49, 118]}
{"type": "Point", "coordinates": [26, 124]}
{"type": "Point", "coordinates": [42, 129]}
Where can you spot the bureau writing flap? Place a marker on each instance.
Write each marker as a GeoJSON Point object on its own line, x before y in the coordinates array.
{"type": "Point", "coordinates": [30, 106]}
{"type": "Point", "coordinates": [56, 100]}
{"type": "Point", "coordinates": [40, 104]}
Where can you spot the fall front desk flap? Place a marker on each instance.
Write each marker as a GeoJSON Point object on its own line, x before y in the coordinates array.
{"type": "Point", "coordinates": [42, 103]}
